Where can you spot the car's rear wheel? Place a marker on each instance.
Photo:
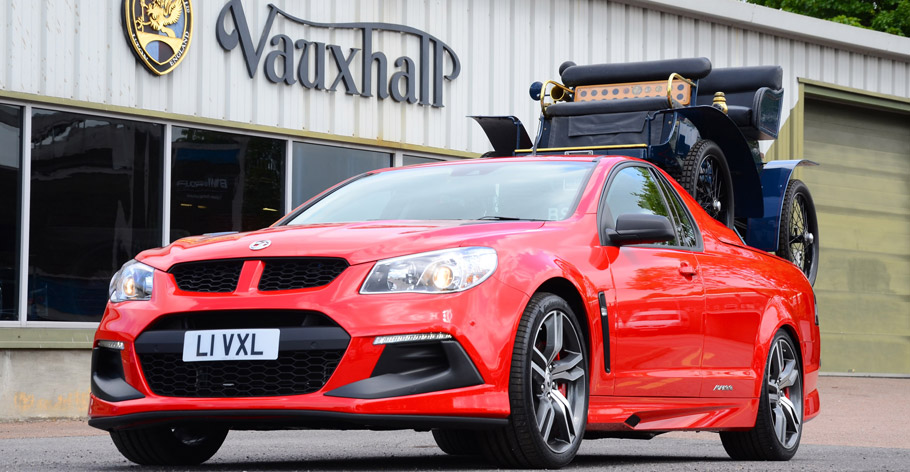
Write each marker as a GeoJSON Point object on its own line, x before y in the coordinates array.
{"type": "Point", "coordinates": [180, 445]}
{"type": "Point", "coordinates": [778, 426]}
{"type": "Point", "coordinates": [798, 235]}
{"type": "Point", "coordinates": [706, 176]}
{"type": "Point", "coordinates": [548, 390]}
{"type": "Point", "coordinates": [457, 442]}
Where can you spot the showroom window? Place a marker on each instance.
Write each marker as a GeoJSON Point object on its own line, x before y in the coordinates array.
{"type": "Point", "coordinates": [95, 202]}
{"type": "Point", "coordinates": [318, 167]}
{"type": "Point", "coordinates": [10, 204]}
{"type": "Point", "coordinates": [224, 182]}
{"type": "Point", "coordinates": [94, 191]}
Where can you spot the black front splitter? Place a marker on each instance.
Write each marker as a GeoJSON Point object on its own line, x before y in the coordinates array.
{"type": "Point", "coordinates": [293, 419]}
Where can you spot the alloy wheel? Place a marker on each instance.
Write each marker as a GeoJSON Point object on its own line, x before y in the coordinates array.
{"type": "Point", "coordinates": [558, 381]}
{"type": "Point", "coordinates": [785, 392]}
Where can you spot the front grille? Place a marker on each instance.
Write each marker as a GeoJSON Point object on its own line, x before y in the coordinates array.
{"type": "Point", "coordinates": [208, 276]}
{"type": "Point", "coordinates": [293, 373]}
{"type": "Point", "coordinates": [290, 274]}
{"type": "Point", "coordinates": [310, 347]}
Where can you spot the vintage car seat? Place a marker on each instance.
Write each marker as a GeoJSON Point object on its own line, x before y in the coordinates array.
{"type": "Point", "coordinates": [612, 101]}
{"type": "Point", "coordinates": [754, 97]}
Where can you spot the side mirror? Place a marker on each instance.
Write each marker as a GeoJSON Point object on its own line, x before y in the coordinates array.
{"type": "Point", "coordinates": [633, 228]}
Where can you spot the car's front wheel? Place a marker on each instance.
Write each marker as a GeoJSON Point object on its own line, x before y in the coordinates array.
{"type": "Point", "coordinates": [180, 445]}
{"type": "Point", "coordinates": [548, 389]}
{"type": "Point", "coordinates": [778, 426]}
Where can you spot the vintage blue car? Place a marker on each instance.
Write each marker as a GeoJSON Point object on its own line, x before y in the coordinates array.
{"type": "Point", "coordinates": [701, 125]}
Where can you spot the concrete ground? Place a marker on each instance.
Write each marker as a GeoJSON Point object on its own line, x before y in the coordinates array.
{"type": "Point", "coordinates": [855, 411]}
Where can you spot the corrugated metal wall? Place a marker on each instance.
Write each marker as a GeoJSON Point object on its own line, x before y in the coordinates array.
{"type": "Point", "coordinates": [76, 49]}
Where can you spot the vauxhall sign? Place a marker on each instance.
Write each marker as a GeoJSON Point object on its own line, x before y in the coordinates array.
{"type": "Point", "coordinates": [291, 61]}
{"type": "Point", "coordinates": [160, 31]}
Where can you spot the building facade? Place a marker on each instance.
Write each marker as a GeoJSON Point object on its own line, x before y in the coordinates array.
{"type": "Point", "coordinates": [121, 130]}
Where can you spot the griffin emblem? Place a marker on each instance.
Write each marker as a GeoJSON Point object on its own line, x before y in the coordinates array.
{"type": "Point", "coordinates": [159, 31]}
{"type": "Point", "coordinates": [161, 14]}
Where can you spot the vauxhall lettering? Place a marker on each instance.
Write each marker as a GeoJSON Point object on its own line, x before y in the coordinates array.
{"type": "Point", "coordinates": [306, 62]}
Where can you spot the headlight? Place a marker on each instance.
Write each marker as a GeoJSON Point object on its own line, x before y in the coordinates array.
{"type": "Point", "coordinates": [450, 270]}
{"type": "Point", "coordinates": [132, 282]}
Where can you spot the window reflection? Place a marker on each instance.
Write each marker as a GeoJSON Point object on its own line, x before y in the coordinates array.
{"type": "Point", "coordinates": [633, 190]}
{"type": "Point", "coordinates": [685, 227]}
{"type": "Point", "coordinates": [318, 167]}
{"type": "Point", "coordinates": [95, 203]}
{"type": "Point", "coordinates": [224, 182]}
{"type": "Point", "coordinates": [10, 203]}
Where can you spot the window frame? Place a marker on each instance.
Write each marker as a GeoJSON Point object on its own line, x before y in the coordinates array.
{"type": "Point", "coordinates": [605, 216]}
{"type": "Point", "coordinates": [667, 187]}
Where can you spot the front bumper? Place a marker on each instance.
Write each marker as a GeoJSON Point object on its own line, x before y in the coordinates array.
{"type": "Point", "coordinates": [290, 419]}
{"type": "Point", "coordinates": [360, 392]}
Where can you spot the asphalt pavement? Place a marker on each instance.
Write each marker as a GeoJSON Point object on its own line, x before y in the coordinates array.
{"type": "Point", "coordinates": [864, 425]}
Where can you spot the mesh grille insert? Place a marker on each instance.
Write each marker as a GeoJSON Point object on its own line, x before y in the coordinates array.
{"type": "Point", "coordinates": [293, 373]}
{"type": "Point", "coordinates": [208, 276]}
{"type": "Point", "coordinates": [290, 274]}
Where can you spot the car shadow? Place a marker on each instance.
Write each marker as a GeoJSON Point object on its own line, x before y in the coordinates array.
{"type": "Point", "coordinates": [436, 462]}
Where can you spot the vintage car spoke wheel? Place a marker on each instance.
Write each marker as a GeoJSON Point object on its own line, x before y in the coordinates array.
{"type": "Point", "coordinates": [798, 237]}
{"type": "Point", "coordinates": [778, 427]}
{"type": "Point", "coordinates": [706, 176]}
{"type": "Point", "coordinates": [548, 390]}
{"type": "Point", "coordinates": [180, 445]}
{"type": "Point", "coordinates": [457, 442]}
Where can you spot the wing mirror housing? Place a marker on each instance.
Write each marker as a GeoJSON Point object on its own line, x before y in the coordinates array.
{"type": "Point", "coordinates": [633, 228]}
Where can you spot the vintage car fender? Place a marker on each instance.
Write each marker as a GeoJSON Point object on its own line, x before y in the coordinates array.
{"type": "Point", "coordinates": [506, 133]}
{"type": "Point", "coordinates": [763, 232]}
{"type": "Point", "coordinates": [713, 124]}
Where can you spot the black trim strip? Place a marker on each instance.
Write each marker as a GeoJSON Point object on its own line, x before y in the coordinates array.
{"type": "Point", "coordinates": [289, 419]}
{"type": "Point", "coordinates": [401, 371]}
{"type": "Point", "coordinates": [605, 329]}
{"type": "Point", "coordinates": [107, 381]}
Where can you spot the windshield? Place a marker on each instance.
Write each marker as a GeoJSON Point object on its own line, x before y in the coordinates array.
{"type": "Point", "coordinates": [489, 190]}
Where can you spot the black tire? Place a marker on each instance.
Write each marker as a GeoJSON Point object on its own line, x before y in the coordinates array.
{"type": "Point", "coordinates": [706, 176]}
{"type": "Point", "coordinates": [778, 425]}
{"type": "Point", "coordinates": [181, 445]}
{"type": "Point", "coordinates": [548, 390]}
{"type": "Point", "coordinates": [457, 442]}
{"type": "Point", "coordinates": [797, 239]}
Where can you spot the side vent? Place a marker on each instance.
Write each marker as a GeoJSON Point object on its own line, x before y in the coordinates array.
{"type": "Point", "coordinates": [605, 328]}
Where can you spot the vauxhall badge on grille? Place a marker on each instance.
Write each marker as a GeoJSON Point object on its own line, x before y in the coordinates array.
{"type": "Point", "coordinates": [261, 244]}
{"type": "Point", "coordinates": [159, 31]}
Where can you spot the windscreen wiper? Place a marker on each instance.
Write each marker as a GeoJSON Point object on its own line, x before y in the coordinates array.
{"type": "Point", "coordinates": [506, 218]}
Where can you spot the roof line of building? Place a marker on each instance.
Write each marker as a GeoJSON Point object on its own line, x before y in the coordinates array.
{"type": "Point", "coordinates": [781, 23]}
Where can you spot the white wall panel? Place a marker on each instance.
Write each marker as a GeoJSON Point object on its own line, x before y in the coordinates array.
{"type": "Point", "coordinates": [57, 48]}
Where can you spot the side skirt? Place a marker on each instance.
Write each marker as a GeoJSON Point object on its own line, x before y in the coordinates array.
{"type": "Point", "coordinates": [607, 413]}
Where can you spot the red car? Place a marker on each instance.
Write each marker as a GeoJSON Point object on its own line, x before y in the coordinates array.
{"type": "Point", "coordinates": [513, 306]}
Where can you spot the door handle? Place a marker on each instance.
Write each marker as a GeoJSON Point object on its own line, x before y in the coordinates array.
{"type": "Point", "coordinates": [687, 270]}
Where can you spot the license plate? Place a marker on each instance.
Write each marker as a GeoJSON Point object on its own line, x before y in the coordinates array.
{"type": "Point", "coordinates": [230, 345]}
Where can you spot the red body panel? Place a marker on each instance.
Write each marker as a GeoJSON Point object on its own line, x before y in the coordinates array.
{"type": "Point", "coordinates": [672, 336]}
